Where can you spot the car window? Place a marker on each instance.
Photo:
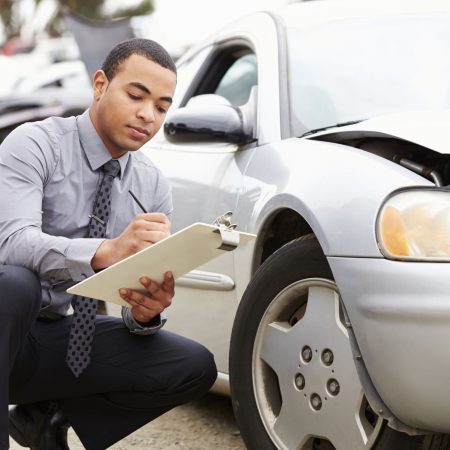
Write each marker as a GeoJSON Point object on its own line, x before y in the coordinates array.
{"type": "Point", "coordinates": [238, 80]}
{"type": "Point", "coordinates": [357, 69]}
{"type": "Point", "coordinates": [231, 74]}
{"type": "Point", "coordinates": [186, 71]}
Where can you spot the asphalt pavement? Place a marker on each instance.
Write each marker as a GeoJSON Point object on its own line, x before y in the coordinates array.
{"type": "Point", "coordinates": [205, 424]}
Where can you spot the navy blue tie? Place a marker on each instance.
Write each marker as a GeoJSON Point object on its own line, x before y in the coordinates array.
{"type": "Point", "coordinates": [85, 309]}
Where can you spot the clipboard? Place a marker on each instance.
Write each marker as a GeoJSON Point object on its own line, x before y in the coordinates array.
{"type": "Point", "coordinates": [179, 253]}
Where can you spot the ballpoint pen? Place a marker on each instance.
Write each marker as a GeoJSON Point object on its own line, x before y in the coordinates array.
{"type": "Point", "coordinates": [137, 201]}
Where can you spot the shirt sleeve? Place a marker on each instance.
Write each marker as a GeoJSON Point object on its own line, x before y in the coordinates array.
{"type": "Point", "coordinates": [157, 323]}
{"type": "Point", "coordinates": [163, 196]}
{"type": "Point", "coordinates": [162, 203]}
{"type": "Point", "coordinates": [28, 158]}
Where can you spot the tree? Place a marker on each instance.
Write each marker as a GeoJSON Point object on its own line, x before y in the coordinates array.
{"type": "Point", "coordinates": [9, 19]}
{"type": "Point", "coordinates": [91, 9]}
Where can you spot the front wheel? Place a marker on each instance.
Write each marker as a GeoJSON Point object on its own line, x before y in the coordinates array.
{"type": "Point", "coordinates": [293, 380]}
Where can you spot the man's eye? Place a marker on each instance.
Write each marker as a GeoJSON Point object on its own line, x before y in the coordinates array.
{"type": "Point", "coordinates": [161, 109]}
{"type": "Point", "coordinates": [134, 97]}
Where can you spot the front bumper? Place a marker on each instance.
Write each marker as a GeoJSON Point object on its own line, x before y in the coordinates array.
{"type": "Point", "coordinates": [400, 314]}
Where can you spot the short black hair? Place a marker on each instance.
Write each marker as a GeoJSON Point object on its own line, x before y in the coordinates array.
{"type": "Point", "coordinates": [137, 46]}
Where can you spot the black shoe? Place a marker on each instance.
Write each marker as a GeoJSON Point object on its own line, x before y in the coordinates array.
{"type": "Point", "coordinates": [39, 426]}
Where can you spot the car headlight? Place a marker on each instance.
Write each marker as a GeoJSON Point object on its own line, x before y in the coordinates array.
{"type": "Point", "coordinates": [414, 224]}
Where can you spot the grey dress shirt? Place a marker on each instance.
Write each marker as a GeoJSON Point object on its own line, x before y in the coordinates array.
{"type": "Point", "coordinates": [49, 175]}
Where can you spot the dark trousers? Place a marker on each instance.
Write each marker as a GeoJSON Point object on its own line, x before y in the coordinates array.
{"type": "Point", "coordinates": [130, 381]}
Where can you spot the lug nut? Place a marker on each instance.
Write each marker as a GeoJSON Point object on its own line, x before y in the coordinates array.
{"type": "Point", "coordinates": [306, 354]}
{"type": "Point", "coordinates": [299, 381]}
{"type": "Point", "coordinates": [333, 386]}
{"type": "Point", "coordinates": [327, 357]}
{"type": "Point", "coordinates": [316, 402]}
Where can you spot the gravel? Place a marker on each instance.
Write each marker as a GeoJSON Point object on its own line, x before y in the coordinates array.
{"type": "Point", "coordinates": [205, 424]}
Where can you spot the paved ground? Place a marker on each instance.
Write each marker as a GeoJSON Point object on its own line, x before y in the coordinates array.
{"type": "Point", "coordinates": [202, 425]}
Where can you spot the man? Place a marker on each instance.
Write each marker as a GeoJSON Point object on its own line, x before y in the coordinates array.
{"type": "Point", "coordinates": [66, 212]}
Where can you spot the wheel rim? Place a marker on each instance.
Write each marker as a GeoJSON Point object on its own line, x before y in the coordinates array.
{"type": "Point", "coordinates": [306, 387]}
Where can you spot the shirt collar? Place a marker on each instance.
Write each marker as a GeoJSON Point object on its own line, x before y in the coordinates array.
{"type": "Point", "coordinates": [94, 148]}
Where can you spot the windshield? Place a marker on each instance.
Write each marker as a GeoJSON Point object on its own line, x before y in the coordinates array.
{"type": "Point", "coordinates": [357, 69]}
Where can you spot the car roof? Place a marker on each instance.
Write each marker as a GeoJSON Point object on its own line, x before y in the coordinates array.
{"type": "Point", "coordinates": [312, 13]}
{"type": "Point", "coordinates": [309, 14]}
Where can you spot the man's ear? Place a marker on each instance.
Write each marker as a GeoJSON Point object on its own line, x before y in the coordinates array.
{"type": "Point", "coordinates": [100, 84]}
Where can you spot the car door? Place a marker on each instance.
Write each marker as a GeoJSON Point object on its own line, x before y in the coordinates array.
{"type": "Point", "coordinates": [209, 179]}
{"type": "Point", "coordinates": [205, 180]}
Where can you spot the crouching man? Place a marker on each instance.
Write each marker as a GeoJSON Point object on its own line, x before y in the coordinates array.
{"type": "Point", "coordinates": [66, 212]}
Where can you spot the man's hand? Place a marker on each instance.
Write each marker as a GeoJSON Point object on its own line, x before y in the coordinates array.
{"type": "Point", "coordinates": [145, 307]}
{"type": "Point", "coordinates": [143, 231]}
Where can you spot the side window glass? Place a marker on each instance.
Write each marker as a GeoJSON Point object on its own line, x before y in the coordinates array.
{"type": "Point", "coordinates": [186, 72]}
{"type": "Point", "coordinates": [238, 80]}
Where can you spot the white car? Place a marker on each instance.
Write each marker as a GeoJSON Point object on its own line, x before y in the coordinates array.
{"type": "Point", "coordinates": [325, 128]}
{"type": "Point", "coordinates": [71, 75]}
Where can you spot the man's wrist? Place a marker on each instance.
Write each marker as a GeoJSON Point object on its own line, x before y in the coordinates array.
{"type": "Point", "coordinates": [136, 328]}
{"type": "Point", "coordinates": [155, 321]}
{"type": "Point", "coordinates": [104, 256]}
{"type": "Point", "coordinates": [79, 257]}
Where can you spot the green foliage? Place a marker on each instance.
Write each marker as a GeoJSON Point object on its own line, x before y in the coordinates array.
{"type": "Point", "coordinates": [91, 9]}
{"type": "Point", "coordinates": [145, 7]}
{"type": "Point", "coordinates": [8, 18]}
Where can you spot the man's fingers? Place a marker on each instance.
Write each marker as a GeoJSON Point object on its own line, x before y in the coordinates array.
{"type": "Point", "coordinates": [135, 298]}
{"type": "Point", "coordinates": [151, 236]}
{"type": "Point", "coordinates": [152, 287]}
{"type": "Point", "coordinates": [169, 283]}
{"type": "Point", "coordinates": [147, 228]}
{"type": "Point", "coordinates": [158, 292]}
{"type": "Point", "coordinates": [159, 297]}
{"type": "Point", "coordinates": [154, 217]}
{"type": "Point", "coordinates": [141, 301]}
{"type": "Point", "coordinates": [144, 225]}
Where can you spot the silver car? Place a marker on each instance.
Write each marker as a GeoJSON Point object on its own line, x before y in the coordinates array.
{"type": "Point", "coordinates": [324, 128]}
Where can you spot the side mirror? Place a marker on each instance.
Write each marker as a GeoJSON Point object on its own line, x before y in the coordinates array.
{"type": "Point", "coordinates": [209, 118]}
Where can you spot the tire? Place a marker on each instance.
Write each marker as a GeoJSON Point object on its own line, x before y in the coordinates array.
{"type": "Point", "coordinates": [293, 382]}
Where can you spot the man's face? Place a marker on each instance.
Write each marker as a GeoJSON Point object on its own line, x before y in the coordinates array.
{"type": "Point", "coordinates": [129, 109]}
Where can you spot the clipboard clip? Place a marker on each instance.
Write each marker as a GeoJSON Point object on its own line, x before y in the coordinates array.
{"type": "Point", "coordinates": [230, 237]}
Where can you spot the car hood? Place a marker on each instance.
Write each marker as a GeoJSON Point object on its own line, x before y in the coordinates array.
{"type": "Point", "coordinates": [429, 129]}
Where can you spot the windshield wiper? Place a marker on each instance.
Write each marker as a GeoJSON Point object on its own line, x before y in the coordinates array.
{"type": "Point", "coordinates": [341, 124]}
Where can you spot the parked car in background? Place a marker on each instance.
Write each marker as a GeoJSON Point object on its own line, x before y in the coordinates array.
{"type": "Point", "coordinates": [324, 128]}
{"type": "Point", "coordinates": [23, 64]}
{"type": "Point", "coordinates": [17, 116]}
{"type": "Point", "coordinates": [76, 99]}
{"type": "Point", "coordinates": [63, 89]}
{"type": "Point", "coordinates": [67, 74]}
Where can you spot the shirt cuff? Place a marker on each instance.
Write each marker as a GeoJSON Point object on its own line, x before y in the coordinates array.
{"type": "Point", "coordinates": [155, 324]}
{"type": "Point", "coordinates": [79, 256]}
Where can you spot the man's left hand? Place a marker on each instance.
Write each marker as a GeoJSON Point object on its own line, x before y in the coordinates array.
{"type": "Point", "coordinates": [145, 307]}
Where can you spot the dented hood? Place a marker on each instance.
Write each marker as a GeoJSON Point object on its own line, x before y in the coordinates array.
{"type": "Point", "coordinates": [429, 129]}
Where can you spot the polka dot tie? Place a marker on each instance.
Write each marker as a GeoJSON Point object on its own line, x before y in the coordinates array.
{"type": "Point", "coordinates": [84, 309]}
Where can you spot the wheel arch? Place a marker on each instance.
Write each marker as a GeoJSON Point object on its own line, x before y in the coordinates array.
{"type": "Point", "coordinates": [278, 228]}
{"type": "Point", "coordinates": [283, 218]}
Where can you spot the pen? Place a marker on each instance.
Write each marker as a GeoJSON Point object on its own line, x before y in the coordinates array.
{"type": "Point", "coordinates": [137, 201]}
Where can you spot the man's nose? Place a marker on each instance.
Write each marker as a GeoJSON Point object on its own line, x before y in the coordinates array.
{"type": "Point", "coordinates": [146, 113]}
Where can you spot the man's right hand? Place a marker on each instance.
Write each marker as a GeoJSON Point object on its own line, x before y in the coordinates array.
{"type": "Point", "coordinates": [144, 230]}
